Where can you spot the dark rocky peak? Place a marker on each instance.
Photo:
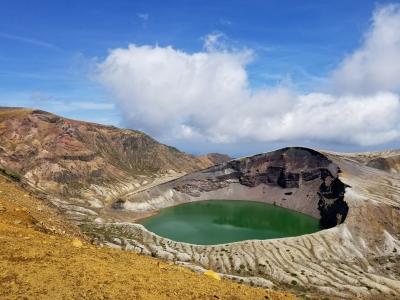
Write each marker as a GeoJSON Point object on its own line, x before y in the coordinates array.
{"type": "Point", "coordinates": [290, 169]}
{"type": "Point", "coordinates": [285, 167]}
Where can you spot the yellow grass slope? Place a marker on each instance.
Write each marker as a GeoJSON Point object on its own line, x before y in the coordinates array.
{"type": "Point", "coordinates": [44, 257]}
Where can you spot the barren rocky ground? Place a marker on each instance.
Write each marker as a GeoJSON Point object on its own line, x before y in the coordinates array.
{"type": "Point", "coordinates": [356, 256]}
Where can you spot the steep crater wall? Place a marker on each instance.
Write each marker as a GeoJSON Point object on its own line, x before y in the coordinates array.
{"type": "Point", "coordinates": [296, 178]}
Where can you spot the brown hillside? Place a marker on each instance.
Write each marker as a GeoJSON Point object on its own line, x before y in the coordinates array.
{"type": "Point", "coordinates": [74, 161]}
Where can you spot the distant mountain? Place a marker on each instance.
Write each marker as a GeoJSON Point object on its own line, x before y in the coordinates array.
{"type": "Point", "coordinates": [74, 159]}
{"type": "Point", "coordinates": [388, 163]}
{"type": "Point", "coordinates": [214, 158]}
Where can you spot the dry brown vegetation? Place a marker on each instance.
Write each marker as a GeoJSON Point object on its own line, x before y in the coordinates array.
{"type": "Point", "coordinates": [40, 258]}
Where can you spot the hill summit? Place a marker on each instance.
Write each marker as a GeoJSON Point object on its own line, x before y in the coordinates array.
{"type": "Point", "coordinates": [85, 164]}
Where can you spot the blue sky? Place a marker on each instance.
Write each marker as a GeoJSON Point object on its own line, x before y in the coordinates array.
{"type": "Point", "coordinates": [50, 51]}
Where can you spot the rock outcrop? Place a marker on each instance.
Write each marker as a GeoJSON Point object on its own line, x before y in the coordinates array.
{"type": "Point", "coordinates": [389, 164]}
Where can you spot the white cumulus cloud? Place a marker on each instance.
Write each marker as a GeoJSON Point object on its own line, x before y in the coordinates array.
{"type": "Point", "coordinates": [168, 92]}
{"type": "Point", "coordinates": [375, 66]}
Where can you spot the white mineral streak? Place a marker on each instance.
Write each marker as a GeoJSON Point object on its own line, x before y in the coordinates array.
{"type": "Point", "coordinates": [357, 259]}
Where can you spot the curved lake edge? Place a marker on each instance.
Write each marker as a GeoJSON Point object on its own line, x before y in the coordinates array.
{"type": "Point", "coordinates": [289, 238]}
{"type": "Point", "coordinates": [222, 221]}
{"type": "Point", "coordinates": [141, 215]}
{"type": "Point", "coordinates": [157, 211]}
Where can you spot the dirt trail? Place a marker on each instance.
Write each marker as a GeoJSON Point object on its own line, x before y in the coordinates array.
{"type": "Point", "coordinates": [40, 258]}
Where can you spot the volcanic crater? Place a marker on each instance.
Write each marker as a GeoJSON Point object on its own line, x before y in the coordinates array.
{"type": "Point", "coordinates": [355, 254]}
{"type": "Point", "coordinates": [297, 178]}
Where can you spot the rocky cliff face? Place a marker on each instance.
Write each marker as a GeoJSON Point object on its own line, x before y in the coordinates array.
{"type": "Point", "coordinates": [292, 168]}
{"type": "Point", "coordinates": [287, 175]}
{"type": "Point", "coordinates": [84, 163]}
{"type": "Point", "coordinates": [285, 168]}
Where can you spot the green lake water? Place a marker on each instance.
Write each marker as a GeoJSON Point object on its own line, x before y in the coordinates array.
{"type": "Point", "coordinates": [223, 221]}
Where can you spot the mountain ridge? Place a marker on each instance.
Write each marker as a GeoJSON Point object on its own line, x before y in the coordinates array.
{"type": "Point", "coordinates": [75, 161]}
